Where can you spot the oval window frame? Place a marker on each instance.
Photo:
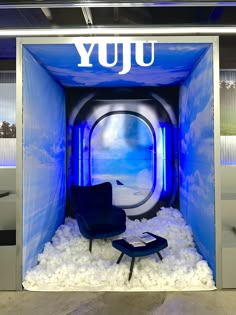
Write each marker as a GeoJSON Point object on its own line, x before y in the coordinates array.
{"type": "Point", "coordinates": [154, 168]}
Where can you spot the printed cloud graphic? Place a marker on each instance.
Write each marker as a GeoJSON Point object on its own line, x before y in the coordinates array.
{"type": "Point", "coordinates": [194, 93]}
{"type": "Point", "coordinates": [43, 158]}
{"type": "Point", "coordinates": [197, 112]}
{"type": "Point", "coordinates": [197, 156]}
{"type": "Point", "coordinates": [199, 138]}
{"type": "Point", "coordinates": [197, 185]}
{"type": "Point", "coordinates": [167, 67]}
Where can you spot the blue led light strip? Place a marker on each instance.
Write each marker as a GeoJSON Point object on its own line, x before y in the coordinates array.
{"type": "Point", "coordinates": [79, 156]}
{"type": "Point", "coordinates": [164, 157]}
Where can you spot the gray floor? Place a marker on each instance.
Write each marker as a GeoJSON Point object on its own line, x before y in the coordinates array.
{"type": "Point", "coordinates": [112, 303]}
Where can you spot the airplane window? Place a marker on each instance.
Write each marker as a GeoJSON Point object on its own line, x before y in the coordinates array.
{"type": "Point", "coordinates": [122, 152]}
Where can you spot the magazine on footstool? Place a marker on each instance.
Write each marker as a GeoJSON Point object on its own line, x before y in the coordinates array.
{"type": "Point", "coordinates": [138, 241]}
{"type": "Point", "coordinates": [147, 238]}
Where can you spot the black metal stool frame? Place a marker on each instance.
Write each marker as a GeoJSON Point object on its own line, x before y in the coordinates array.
{"type": "Point", "coordinates": [132, 263]}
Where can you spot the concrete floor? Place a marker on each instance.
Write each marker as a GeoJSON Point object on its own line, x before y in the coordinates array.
{"type": "Point", "coordinates": [113, 303]}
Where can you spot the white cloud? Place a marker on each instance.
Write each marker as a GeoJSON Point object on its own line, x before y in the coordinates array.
{"type": "Point", "coordinates": [140, 75]}
{"type": "Point", "coordinates": [194, 92]}
{"type": "Point", "coordinates": [66, 264]}
{"type": "Point", "coordinates": [186, 47]}
{"type": "Point", "coordinates": [200, 135]}
{"type": "Point", "coordinates": [110, 177]}
{"type": "Point", "coordinates": [37, 156]}
{"type": "Point", "coordinates": [184, 148]}
{"type": "Point", "coordinates": [196, 188]}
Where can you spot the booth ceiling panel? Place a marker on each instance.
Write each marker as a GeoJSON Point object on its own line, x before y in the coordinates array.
{"type": "Point", "coordinates": [173, 63]}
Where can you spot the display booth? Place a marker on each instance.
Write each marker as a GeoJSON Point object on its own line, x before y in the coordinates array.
{"type": "Point", "coordinates": [141, 113]}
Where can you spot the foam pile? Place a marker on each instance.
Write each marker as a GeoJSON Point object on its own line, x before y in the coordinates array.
{"type": "Point", "coordinates": [66, 263]}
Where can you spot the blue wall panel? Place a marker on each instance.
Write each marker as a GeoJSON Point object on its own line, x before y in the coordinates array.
{"type": "Point", "coordinates": [197, 188]}
{"type": "Point", "coordinates": [43, 158]}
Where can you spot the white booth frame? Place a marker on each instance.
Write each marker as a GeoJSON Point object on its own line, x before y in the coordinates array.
{"type": "Point", "coordinates": [19, 123]}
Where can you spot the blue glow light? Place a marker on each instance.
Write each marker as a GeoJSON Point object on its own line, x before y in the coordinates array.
{"type": "Point", "coordinates": [164, 157]}
{"type": "Point", "coordinates": [168, 158]}
{"type": "Point", "coordinates": [80, 175]}
{"type": "Point", "coordinates": [79, 156]}
{"type": "Point", "coordinates": [76, 150]}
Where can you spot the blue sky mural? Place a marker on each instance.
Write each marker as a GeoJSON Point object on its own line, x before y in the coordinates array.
{"type": "Point", "coordinates": [172, 63]}
{"type": "Point", "coordinates": [122, 148]}
{"type": "Point", "coordinates": [121, 140]}
{"type": "Point", "coordinates": [43, 159]}
{"type": "Point", "coordinates": [197, 185]}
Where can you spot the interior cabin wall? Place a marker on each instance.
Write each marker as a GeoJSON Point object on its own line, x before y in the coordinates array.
{"type": "Point", "coordinates": [114, 145]}
{"type": "Point", "coordinates": [197, 186]}
{"type": "Point", "coordinates": [43, 158]}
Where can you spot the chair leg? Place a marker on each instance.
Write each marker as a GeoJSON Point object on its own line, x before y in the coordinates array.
{"type": "Point", "coordinates": [159, 255]}
{"type": "Point", "coordinates": [131, 267]}
{"type": "Point", "coordinates": [119, 259]}
{"type": "Point", "coordinates": [90, 245]}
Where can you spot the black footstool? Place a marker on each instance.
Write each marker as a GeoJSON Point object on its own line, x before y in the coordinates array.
{"type": "Point", "coordinates": [131, 251]}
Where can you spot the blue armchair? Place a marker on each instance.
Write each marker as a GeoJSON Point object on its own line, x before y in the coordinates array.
{"type": "Point", "coordinates": [96, 216]}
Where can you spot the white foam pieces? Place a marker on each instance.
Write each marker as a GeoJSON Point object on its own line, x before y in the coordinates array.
{"type": "Point", "coordinates": [66, 263]}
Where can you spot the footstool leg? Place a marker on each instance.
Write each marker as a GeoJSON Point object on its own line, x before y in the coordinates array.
{"type": "Point", "coordinates": [159, 255]}
{"type": "Point", "coordinates": [119, 259]}
{"type": "Point", "coordinates": [90, 245]}
{"type": "Point", "coordinates": [131, 267]}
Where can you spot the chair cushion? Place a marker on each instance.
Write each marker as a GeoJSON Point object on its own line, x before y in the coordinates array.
{"type": "Point", "coordinates": [99, 230]}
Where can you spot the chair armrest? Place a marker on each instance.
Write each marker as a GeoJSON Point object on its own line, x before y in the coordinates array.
{"type": "Point", "coordinates": [119, 214]}
{"type": "Point", "coordinates": [82, 221]}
